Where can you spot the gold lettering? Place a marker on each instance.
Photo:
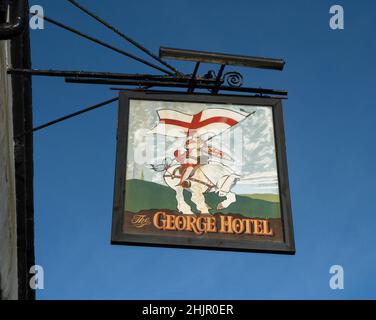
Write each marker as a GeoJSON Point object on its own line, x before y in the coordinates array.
{"type": "Point", "coordinates": [226, 222]}
{"type": "Point", "coordinates": [267, 230]}
{"type": "Point", "coordinates": [191, 226]}
{"type": "Point", "coordinates": [157, 220]}
{"type": "Point", "coordinates": [170, 222]}
{"type": "Point", "coordinates": [211, 225]}
{"type": "Point", "coordinates": [200, 224]}
{"type": "Point", "coordinates": [248, 225]}
{"type": "Point", "coordinates": [238, 226]}
{"type": "Point", "coordinates": [258, 227]}
{"type": "Point", "coordinates": [180, 223]}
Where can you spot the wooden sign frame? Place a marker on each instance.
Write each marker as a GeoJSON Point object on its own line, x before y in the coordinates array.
{"type": "Point", "coordinates": [135, 233]}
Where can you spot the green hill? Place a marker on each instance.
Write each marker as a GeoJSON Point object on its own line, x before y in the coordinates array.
{"type": "Point", "coordinates": [145, 195]}
{"type": "Point", "coordinates": [263, 196]}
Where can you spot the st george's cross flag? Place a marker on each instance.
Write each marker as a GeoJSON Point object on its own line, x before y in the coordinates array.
{"type": "Point", "coordinates": [208, 122]}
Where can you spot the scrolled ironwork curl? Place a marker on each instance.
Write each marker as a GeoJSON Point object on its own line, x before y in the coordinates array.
{"type": "Point", "coordinates": [233, 79]}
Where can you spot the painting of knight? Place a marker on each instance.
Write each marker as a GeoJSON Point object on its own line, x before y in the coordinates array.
{"type": "Point", "coordinates": [201, 172]}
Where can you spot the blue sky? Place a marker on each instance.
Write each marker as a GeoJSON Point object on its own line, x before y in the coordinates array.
{"type": "Point", "coordinates": [330, 133]}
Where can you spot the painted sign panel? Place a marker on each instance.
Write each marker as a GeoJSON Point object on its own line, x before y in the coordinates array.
{"type": "Point", "coordinates": [201, 171]}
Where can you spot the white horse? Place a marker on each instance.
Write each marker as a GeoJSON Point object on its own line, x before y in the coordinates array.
{"type": "Point", "coordinates": [210, 177]}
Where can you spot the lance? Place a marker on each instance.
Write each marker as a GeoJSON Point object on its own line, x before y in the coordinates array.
{"type": "Point", "coordinates": [248, 115]}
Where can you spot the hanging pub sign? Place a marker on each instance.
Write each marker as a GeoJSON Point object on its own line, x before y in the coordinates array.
{"type": "Point", "coordinates": [196, 170]}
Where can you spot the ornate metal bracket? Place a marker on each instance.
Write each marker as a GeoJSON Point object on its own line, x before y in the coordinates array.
{"type": "Point", "coordinates": [18, 19]}
{"type": "Point", "coordinates": [167, 77]}
{"type": "Point", "coordinates": [233, 78]}
{"type": "Point", "coordinates": [170, 77]}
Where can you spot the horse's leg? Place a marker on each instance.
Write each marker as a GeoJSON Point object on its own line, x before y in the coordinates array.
{"type": "Point", "coordinates": [230, 198]}
{"type": "Point", "coordinates": [199, 200]}
{"type": "Point", "coordinates": [183, 207]}
{"type": "Point", "coordinates": [225, 190]}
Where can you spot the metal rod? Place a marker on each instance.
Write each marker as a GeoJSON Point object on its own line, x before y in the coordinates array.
{"type": "Point", "coordinates": [193, 78]}
{"type": "Point", "coordinates": [106, 75]}
{"type": "Point", "coordinates": [154, 91]}
{"type": "Point", "coordinates": [174, 85]}
{"type": "Point", "coordinates": [104, 44]}
{"type": "Point", "coordinates": [218, 79]}
{"type": "Point", "coordinates": [74, 114]}
{"type": "Point", "coordinates": [122, 35]}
